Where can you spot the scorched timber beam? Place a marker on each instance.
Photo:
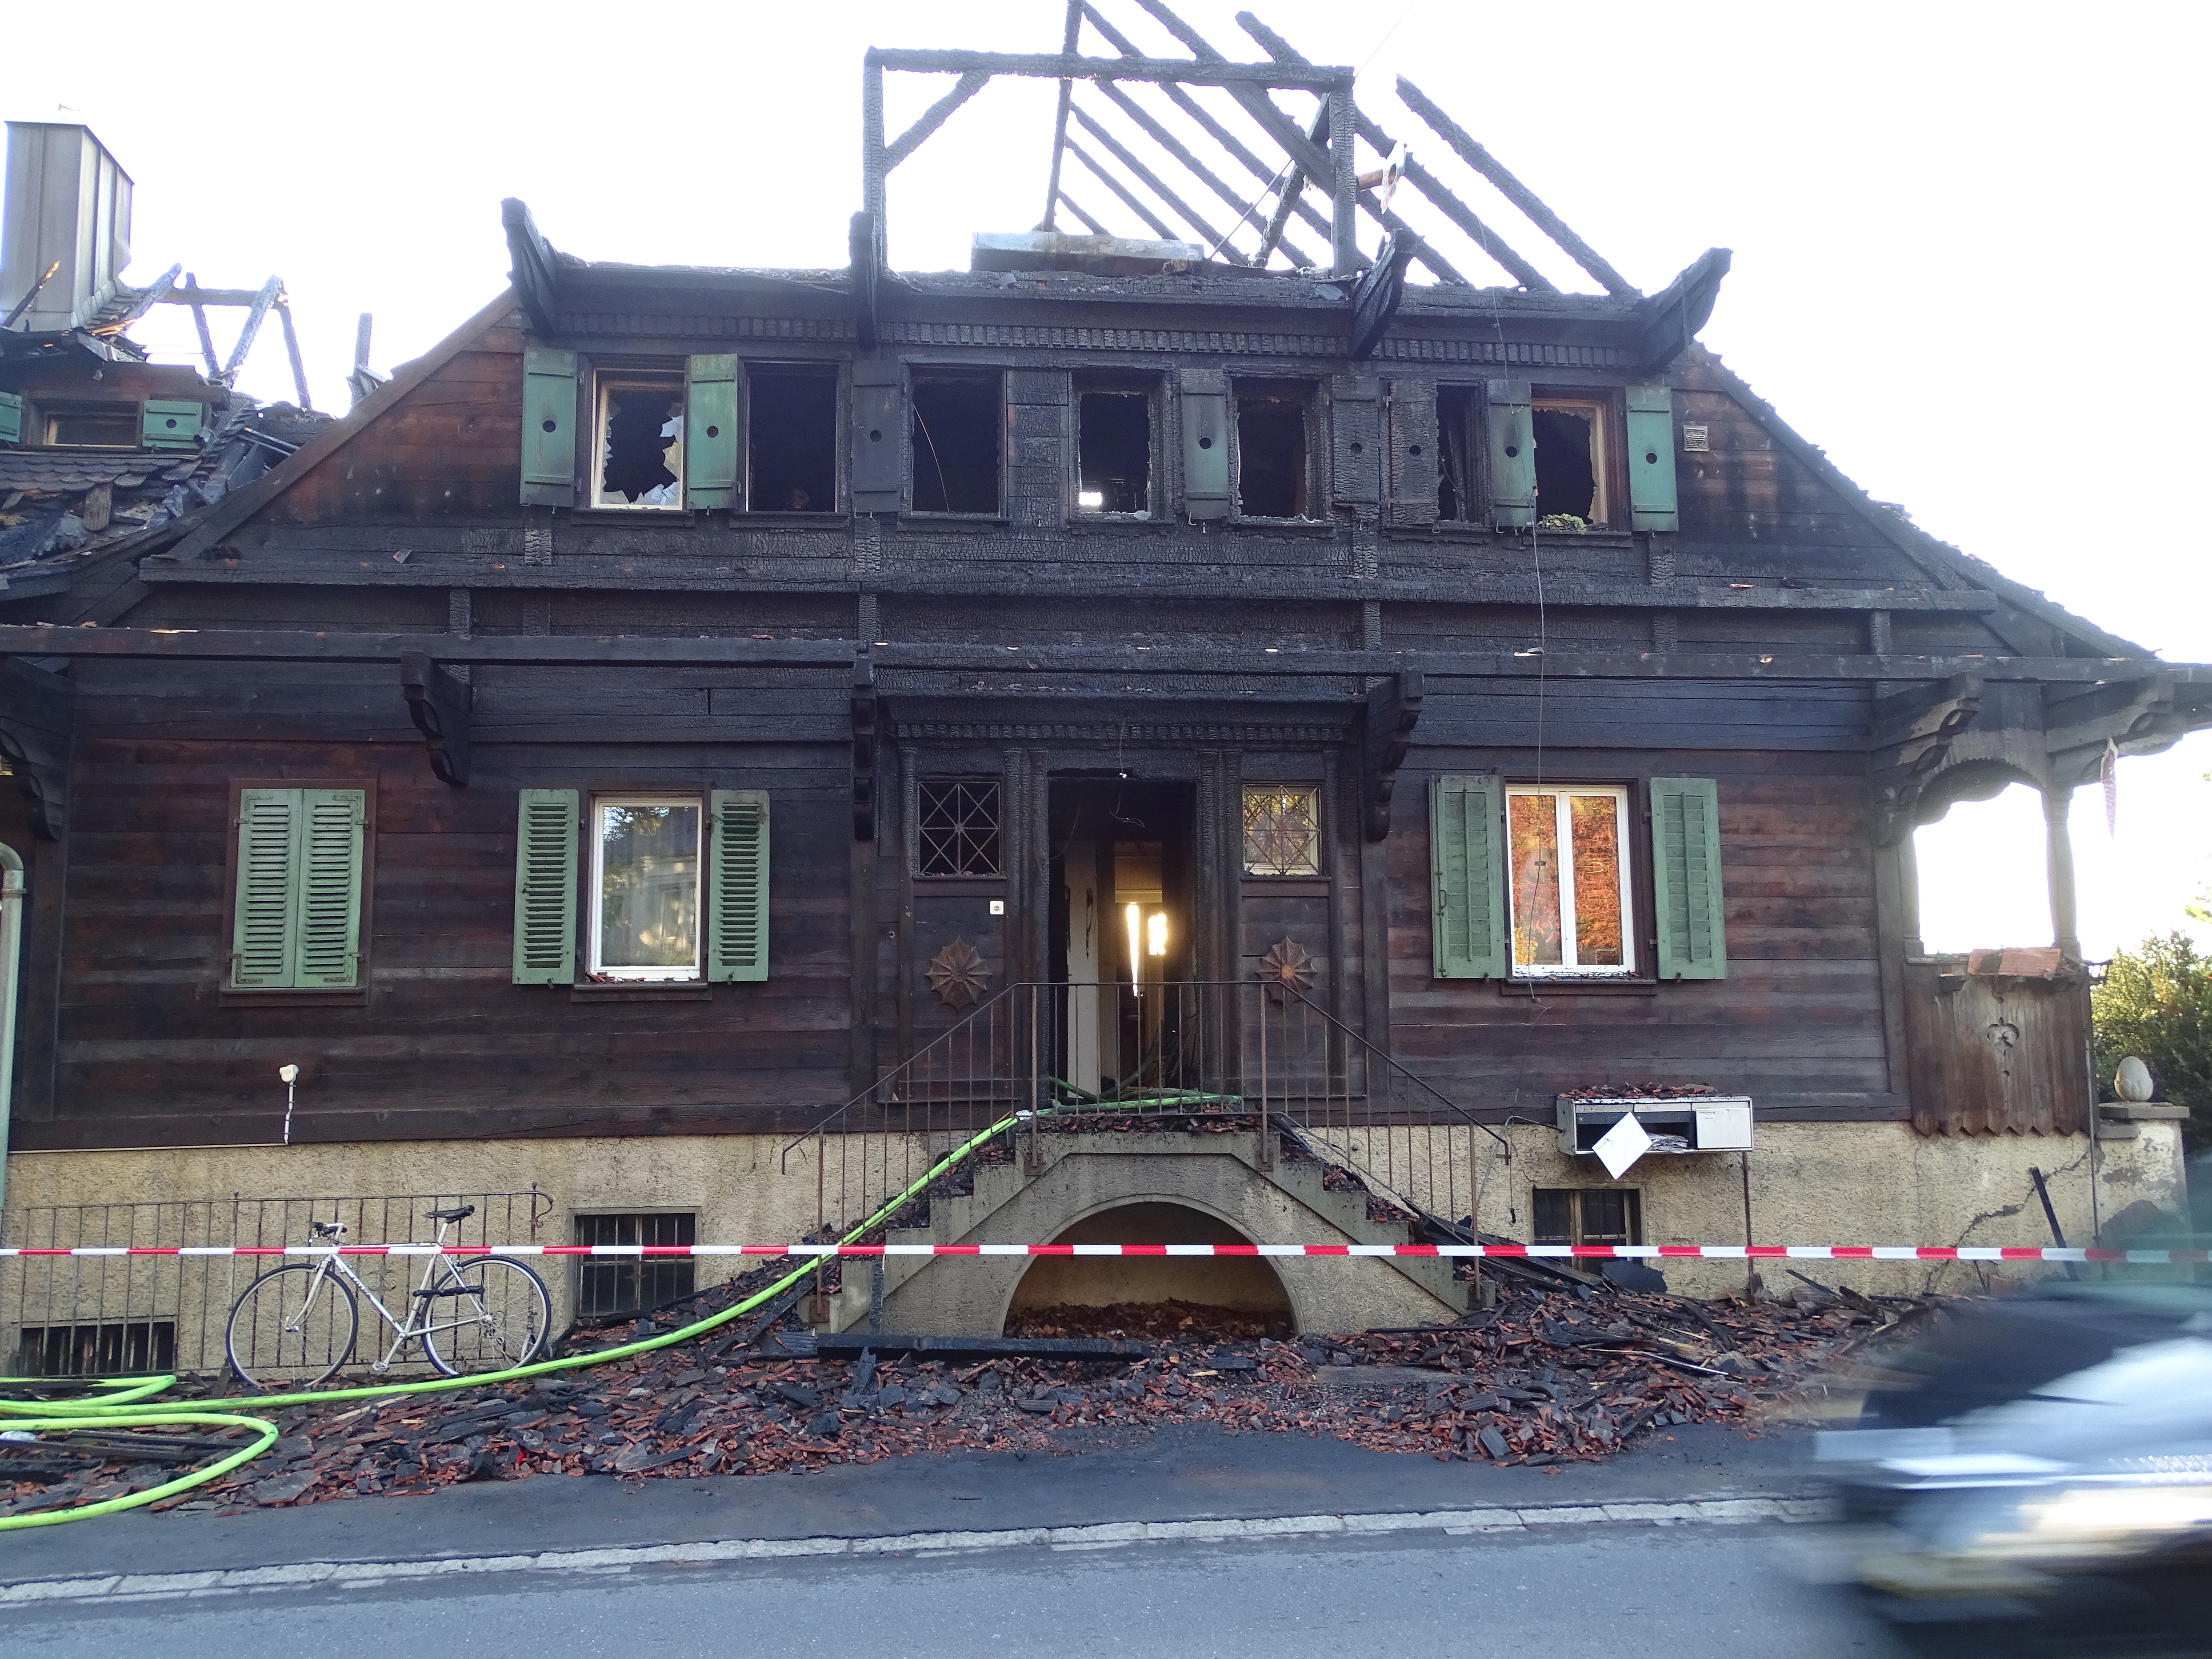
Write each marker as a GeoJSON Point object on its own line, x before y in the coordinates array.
{"type": "Point", "coordinates": [1047, 67]}
{"type": "Point", "coordinates": [440, 704]}
{"type": "Point", "coordinates": [615, 651]}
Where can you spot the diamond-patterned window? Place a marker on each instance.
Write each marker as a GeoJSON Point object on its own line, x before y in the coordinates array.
{"type": "Point", "coordinates": [1282, 831]}
{"type": "Point", "coordinates": [959, 829]}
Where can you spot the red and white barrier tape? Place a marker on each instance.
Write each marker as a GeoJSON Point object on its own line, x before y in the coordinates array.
{"type": "Point", "coordinates": [1663, 1252]}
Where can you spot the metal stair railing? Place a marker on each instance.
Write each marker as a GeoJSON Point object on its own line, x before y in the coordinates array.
{"type": "Point", "coordinates": [1255, 1055]}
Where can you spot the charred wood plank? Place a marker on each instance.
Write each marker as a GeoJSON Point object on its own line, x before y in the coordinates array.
{"type": "Point", "coordinates": [1374, 300]}
{"type": "Point", "coordinates": [1052, 67]}
{"type": "Point", "coordinates": [933, 118]}
{"type": "Point", "coordinates": [531, 266]}
{"type": "Point", "coordinates": [865, 712]}
{"type": "Point", "coordinates": [1512, 189]}
{"type": "Point", "coordinates": [848, 1345]}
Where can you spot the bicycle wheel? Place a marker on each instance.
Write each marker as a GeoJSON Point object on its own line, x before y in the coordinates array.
{"type": "Point", "coordinates": [486, 1314]}
{"type": "Point", "coordinates": [286, 1328]}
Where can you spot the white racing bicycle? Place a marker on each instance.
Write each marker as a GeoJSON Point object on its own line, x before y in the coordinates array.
{"type": "Point", "coordinates": [296, 1324]}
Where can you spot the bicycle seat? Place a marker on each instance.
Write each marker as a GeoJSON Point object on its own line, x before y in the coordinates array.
{"type": "Point", "coordinates": [461, 1214]}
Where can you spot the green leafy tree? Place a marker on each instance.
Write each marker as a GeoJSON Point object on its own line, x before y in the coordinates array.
{"type": "Point", "coordinates": [2156, 1003]}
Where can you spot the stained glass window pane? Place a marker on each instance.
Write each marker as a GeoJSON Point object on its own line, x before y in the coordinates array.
{"type": "Point", "coordinates": [1596, 827]}
{"type": "Point", "coordinates": [1533, 823]}
{"type": "Point", "coordinates": [1282, 832]}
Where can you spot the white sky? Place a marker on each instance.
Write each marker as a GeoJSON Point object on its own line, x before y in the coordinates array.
{"type": "Point", "coordinates": [1933, 210]}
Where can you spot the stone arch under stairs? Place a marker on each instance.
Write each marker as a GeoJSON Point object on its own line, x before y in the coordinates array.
{"type": "Point", "coordinates": [1085, 1174]}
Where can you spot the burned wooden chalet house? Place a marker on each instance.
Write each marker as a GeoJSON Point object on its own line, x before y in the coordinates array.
{"type": "Point", "coordinates": [1265, 713]}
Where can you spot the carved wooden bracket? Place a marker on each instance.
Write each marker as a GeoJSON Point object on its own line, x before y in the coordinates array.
{"type": "Point", "coordinates": [37, 709]}
{"type": "Point", "coordinates": [959, 975]}
{"type": "Point", "coordinates": [1911, 738]}
{"type": "Point", "coordinates": [866, 719]}
{"type": "Point", "coordinates": [1666, 322]}
{"type": "Point", "coordinates": [533, 271]}
{"type": "Point", "coordinates": [440, 703]}
{"type": "Point", "coordinates": [1393, 708]}
{"type": "Point", "coordinates": [1374, 300]}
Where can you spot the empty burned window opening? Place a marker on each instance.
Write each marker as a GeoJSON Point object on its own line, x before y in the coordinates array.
{"type": "Point", "coordinates": [640, 443]}
{"type": "Point", "coordinates": [1456, 456]}
{"type": "Point", "coordinates": [1272, 464]}
{"type": "Point", "coordinates": [97, 428]}
{"type": "Point", "coordinates": [957, 422]}
{"type": "Point", "coordinates": [1588, 1215]}
{"type": "Point", "coordinates": [641, 1283]}
{"type": "Point", "coordinates": [957, 827]}
{"type": "Point", "coordinates": [793, 467]}
{"type": "Point", "coordinates": [1573, 460]}
{"type": "Point", "coordinates": [1113, 445]}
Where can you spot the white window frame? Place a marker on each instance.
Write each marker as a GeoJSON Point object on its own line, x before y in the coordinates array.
{"type": "Point", "coordinates": [604, 385]}
{"type": "Point", "coordinates": [1567, 967]}
{"type": "Point", "coordinates": [597, 970]}
{"type": "Point", "coordinates": [1598, 411]}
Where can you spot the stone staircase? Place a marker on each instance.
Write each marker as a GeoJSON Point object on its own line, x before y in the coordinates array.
{"type": "Point", "coordinates": [1279, 1199]}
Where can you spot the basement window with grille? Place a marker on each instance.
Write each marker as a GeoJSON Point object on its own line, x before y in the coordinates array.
{"type": "Point", "coordinates": [133, 1347]}
{"type": "Point", "coordinates": [957, 827]}
{"type": "Point", "coordinates": [1588, 1215]}
{"type": "Point", "coordinates": [958, 447]}
{"type": "Point", "coordinates": [608, 1286]}
{"type": "Point", "coordinates": [793, 438]}
{"type": "Point", "coordinates": [640, 442]}
{"type": "Point", "coordinates": [1114, 450]}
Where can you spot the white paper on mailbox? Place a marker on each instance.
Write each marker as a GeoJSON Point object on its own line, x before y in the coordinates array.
{"type": "Point", "coordinates": [1621, 1145]}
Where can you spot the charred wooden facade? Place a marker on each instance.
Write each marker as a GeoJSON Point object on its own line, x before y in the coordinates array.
{"type": "Point", "coordinates": [949, 604]}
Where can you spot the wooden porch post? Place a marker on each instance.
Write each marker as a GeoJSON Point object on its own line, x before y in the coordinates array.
{"type": "Point", "coordinates": [2059, 854]}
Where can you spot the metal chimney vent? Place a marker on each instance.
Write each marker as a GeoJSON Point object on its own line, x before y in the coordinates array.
{"type": "Point", "coordinates": [68, 211]}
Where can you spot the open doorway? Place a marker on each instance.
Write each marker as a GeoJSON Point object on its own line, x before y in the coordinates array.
{"type": "Point", "coordinates": [1121, 885]}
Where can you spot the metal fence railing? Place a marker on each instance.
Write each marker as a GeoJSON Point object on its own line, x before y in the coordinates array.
{"type": "Point", "coordinates": [116, 1315]}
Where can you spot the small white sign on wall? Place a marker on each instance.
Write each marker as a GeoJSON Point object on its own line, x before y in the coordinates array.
{"type": "Point", "coordinates": [1619, 1147]}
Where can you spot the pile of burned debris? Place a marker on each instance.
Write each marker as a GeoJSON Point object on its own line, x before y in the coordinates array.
{"type": "Point", "coordinates": [1542, 1378]}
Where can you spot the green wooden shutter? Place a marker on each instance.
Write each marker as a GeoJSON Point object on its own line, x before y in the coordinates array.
{"type": "Point", "coordinates": [1467, 880]}
{"type": "Point", "coordinates": [169, 425]}
{"type": "Point", "coordinates": [1205, 454]}
{"type": "Point", "coordinates": [1685, 866]}
{"type": "Point", "coordinates": [736, 900]}
{"type": "Point", "coordinates": [1651, 458]}
{"type": "Point", "coordinates": [1511, 430]}
{"type": "Point", "coordinates": [714, 430]}
{"type": "Point", "coordinates": [264, 924]}
{"type": "Point", "coordinates": [545, 888]}
{"type": "Point", "coordinates": [11, 418]}
{"type": "Point", "coordinates": [548, 427]}
{"type": "Point", "coordinates": [328, 898]}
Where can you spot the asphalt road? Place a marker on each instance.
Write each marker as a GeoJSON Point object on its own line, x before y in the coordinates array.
{"type": "Point", "coordinates": [1714, 1592]}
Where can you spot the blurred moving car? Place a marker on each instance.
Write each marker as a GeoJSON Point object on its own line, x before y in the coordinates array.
{"type": "Point", "coordinates": [2035, 1474]}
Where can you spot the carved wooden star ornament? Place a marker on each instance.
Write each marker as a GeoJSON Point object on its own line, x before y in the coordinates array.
{"type": "Point", "coordinates": [958, 975]}
{"type": "Point", "coordinates": [1287, 967]}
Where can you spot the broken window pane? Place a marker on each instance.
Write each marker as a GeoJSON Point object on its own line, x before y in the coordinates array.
{"type": "Point", "coordinates": [93, 428]}
{"type": "Point", "coordinates": [1570, 913]}
{"type": "Point", "coordinates": [645, 922]}
{"type": "Point", "coordinates": [641, 445]}
{"type": "Point", "coordinates": [1271, 455]}
{"type": "Point", "coordinates": [1114, 445]}
{"type": "Point", "coordinates": [957, 426]}
{"type": "Point", "coordinates": [792, 435]}
{"type": "Point", "coordinates": [958, 828]}
{"type": "Point", "coordinates": [1571, 466]}
{"type": "Point", "coordinates": [1282, 832]}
